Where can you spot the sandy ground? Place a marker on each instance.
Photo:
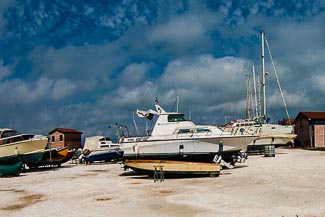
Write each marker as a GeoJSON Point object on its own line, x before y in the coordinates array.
{"type": "Point", "coordinates": [290, 184]}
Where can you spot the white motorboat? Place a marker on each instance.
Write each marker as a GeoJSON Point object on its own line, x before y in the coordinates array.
{"type": "Point", "coordinates": [27, 148]}
{"type": "Point", "coordinates": [176, 138]}
{"type": "Point", "coordinates": [100, 148]}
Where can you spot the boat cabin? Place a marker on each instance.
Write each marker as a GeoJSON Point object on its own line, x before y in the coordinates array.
{"type": "Point", "coordinates": [6, 132]}
{"type": "Point", "coordinates": [98, 142]}
{"type": "Point", "coordinates": [8, 136]}
{"type": "Point", "coordinates": [167, 123]}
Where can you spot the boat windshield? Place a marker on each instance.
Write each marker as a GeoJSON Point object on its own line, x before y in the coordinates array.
{"type": "Point", "coordinates": [8, 133]}
{"type": "Point", "coordinates": [176, 118]}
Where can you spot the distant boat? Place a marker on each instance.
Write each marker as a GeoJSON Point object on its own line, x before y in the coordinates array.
{"type": "Point", "coordinates": [170, 167]}
{"type": "Point", "coordinates": [104, 155]}
{"type": "Point", "coordinates": [11, 169]}
{"type": "Point", "coordinates": [100, 148]}
{"type": "Point", "coordinates": [53, 157]}
{"type": "Point", "coordinates": [14, 147]}
{"type": "Point", "coordinates": [175, 138]}
{"type": "Point", "coordinates": [269, 134]}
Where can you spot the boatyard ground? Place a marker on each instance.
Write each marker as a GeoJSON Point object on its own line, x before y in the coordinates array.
{"type": "Point", "coordinates": [290, 184]}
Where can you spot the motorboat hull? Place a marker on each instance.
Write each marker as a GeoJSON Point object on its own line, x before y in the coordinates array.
{"type": "Point", "coordinates": [104, 155]}
{"type": "Point", "coordinates": [196, 150]}
{"type": "Point", "coordinates": [273, 139]}
{"type": "Point", "coordinates": [27, 151]}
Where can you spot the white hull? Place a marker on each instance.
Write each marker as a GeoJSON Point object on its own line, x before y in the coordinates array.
{"type": "Point", "coordinates": [268, 134]}
{"type": "Point", "coordinates": [200, 149]}
{"type": "Point", "coordinates": [275, 139]}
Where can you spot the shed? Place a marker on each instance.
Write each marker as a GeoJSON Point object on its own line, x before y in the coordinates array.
{"type": "Point", "coordinates": [310, 129]}
{"type": "Point", "coordinates": [61, 137]}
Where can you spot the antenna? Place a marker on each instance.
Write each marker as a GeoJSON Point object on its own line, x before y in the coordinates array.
{"type": "Point", "coordinates": [135, 124]}
{"type": "Point", "coordinates": [151, 94]}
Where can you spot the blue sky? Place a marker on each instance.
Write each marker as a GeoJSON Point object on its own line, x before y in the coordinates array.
{"type": "Point", "coordinates": [88, 64]}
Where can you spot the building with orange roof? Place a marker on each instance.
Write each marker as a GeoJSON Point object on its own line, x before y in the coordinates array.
{"type": "Point", "coordinates": [61, 137]}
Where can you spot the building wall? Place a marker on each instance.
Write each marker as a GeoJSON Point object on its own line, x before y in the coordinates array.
{"type": "Point", "coordinates": [55, 140]}
{"type": "Point", "coordinates": [60, 140]}
{"type": "Point", "coordinates": [302, 131]}
{"type": "Point", "coordinates": [319, 132]}
{"type": "Point", "coordinates": [73, 140]}
{"type": "Point", "coordinates": [310, 133]}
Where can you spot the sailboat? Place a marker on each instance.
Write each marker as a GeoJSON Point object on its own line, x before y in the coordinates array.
{"type": "Point", "coordinates": [268, 134]}
{"type": "Point", "coordinates": [175, 138]}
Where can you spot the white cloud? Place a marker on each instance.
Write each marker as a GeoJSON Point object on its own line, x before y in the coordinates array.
{"type": "Point", "coordinates": [205, 71]}
{"type": "Point", "coordinates": [63, 88]}
{"type": "Point", "coordinates": [5, 71]}
{"type": "Point", "coordinates": [318, 82]}
{"type": "Point", "coordinates": [135, 74]}
{"type": "Point", "coordinates": [182, 29]}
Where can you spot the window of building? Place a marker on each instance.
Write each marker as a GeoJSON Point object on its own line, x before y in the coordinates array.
{"type": "Point", "coordinates": [61, 138]}
{"type": "Point", "coordinates": [53, 139]}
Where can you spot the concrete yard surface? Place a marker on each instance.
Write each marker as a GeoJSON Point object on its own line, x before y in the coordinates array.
{"type": "Point", "coordinates": [290, 184]}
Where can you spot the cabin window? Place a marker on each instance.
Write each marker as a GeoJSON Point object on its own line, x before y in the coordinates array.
{"type": "Point", "coordinates": [61, 138]}
{"type": "Point", "coordinates": [201, 130]}
{"type": "Point", "coordinates": [184, 131]}
{"type": "Point", "coordinates": [8, 133]}
{"type": "Point", "coordinates": [176, 118]}
{"type": "Point", "coordinates": [53, 139]}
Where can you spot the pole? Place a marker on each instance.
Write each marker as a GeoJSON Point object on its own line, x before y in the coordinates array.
{"type": "Point", "coordinates": [263, 76]}
{"type": "Point", "coordinates": [255, 96]}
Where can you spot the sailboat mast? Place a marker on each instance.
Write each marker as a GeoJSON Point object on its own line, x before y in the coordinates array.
{"type": "Point", "coordinates": [263, 76]}
{"type": "Point", "coordinates": [255, 96]}
{"type": "Point", "coordinates": [247, 98]}
{"type": "Point", "coordinates": [259, 99]}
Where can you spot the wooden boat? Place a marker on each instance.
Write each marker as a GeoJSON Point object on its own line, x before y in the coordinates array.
{"type": "Point", "coordinates": [170, 167]}
{"type": "Point", "coordinates": [11, 170]}
{"type": "Point", "coordinates": [54, 157]}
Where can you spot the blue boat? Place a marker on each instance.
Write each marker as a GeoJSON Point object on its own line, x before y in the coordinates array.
{"type": "Point", "coordinates": [100, 148]}
{"type": "Point", "coordinates": [103, 155]}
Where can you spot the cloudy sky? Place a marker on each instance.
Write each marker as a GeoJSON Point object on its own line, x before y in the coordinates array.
{"type": "Point", "coordinates": [88, 64]}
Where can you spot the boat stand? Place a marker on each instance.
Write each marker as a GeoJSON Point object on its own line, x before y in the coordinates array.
{"type": "Point", "coordinates": [158, 173]}
{"type": "Point", "coordinates": [218, 160]}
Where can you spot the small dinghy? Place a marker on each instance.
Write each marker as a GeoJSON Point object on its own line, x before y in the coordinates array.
{"type": "Point", "coordinates": [170, 167]}
{"type": "Point", "coordinates": [11, 169]}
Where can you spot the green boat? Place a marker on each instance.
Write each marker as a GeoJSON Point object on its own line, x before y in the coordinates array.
{"type": "Point", "coordinates": [11, 169]}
